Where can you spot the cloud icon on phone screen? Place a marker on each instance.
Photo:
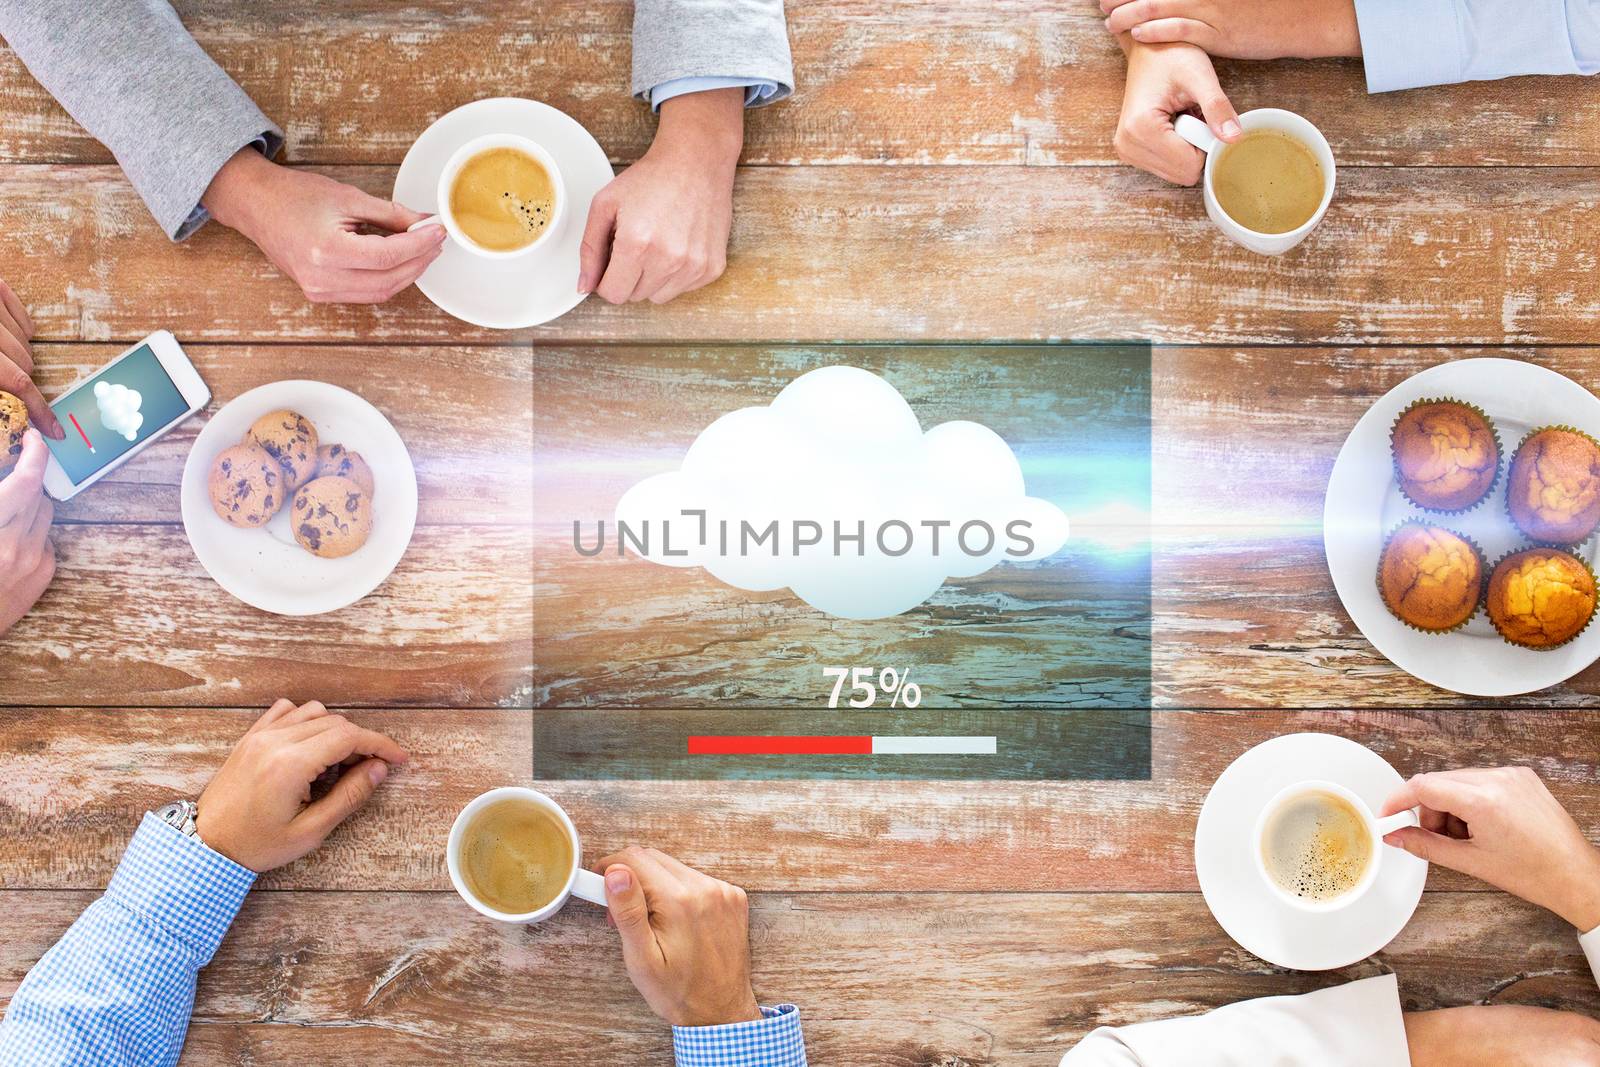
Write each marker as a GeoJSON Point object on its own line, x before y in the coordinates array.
{"type": "Point", "coordinates": [835, 492]}
{"type": "Point", "coordinates": [119, 408]}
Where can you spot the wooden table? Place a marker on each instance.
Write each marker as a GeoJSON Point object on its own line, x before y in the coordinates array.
{"type": "Point", "coordinates": [944, 173]}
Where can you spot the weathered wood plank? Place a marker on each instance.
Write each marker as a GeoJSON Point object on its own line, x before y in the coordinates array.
{"type": "Point", "coordinates": [882, 980]}
{"type": "Point", "coordinates": [1476, 255]}
{"type": "Point", "coordinates": [79, 779]}
{"type": "Point", "coordinates": [913, 81]}
{"type": "Point", "coordinates": [132, 618]}
{"type": "Point", "coordinates": [464, 414]}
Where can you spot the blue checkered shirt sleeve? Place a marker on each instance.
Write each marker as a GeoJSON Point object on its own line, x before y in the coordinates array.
{"type": "Point", "coordinates": [118, 987]}
{"type": "Point", "coordinates": [774, 1040]}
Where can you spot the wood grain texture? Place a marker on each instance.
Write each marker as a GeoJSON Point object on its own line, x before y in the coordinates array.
{"type": "Point", "coordinates": [132, 618]}
{"type": "Point", "coordinates": [885, 980]}
{"type": "Point", "coordinates": [81, 778]}
{"type": "Point", "coordinates": [909, 81]}
{"type": "Point", "coordinates": [463, 413]}
{"type": "Point", "coordinates": [1437, 256]}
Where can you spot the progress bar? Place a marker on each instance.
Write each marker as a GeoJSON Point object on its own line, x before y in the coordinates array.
{"type": "Point", "coordinates": [837, 745]}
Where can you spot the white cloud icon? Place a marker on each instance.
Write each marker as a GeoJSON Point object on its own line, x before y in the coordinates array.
{"type": "Point", "coordinates": [835, 492]}
{"type": "Point", "coordinates": [119, 408]}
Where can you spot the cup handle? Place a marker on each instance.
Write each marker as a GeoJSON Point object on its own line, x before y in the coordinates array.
{"type": "Point", "coordinates": [431, 220]}
{"type": "Point", "coordinates": [589, 886]}
{"type": "Point", "coordinates": [1196, 133]}
{"type": "Point", "coordinates": [1398, 821]}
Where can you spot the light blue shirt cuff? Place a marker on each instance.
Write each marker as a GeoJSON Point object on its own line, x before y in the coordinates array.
{"type": "Point", "coordinates": [1409, 43]}
{"type": "Point", "coordinates": [267, 144]}
{"type": "Point", "coordinates": [756, 91]}
{"type": "Point", "coordinates": [774, 1040]}
{"type": "Point", "coordinates": [176, 882]}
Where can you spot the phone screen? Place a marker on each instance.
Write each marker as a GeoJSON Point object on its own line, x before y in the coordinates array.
{"type": "Point", "coordinates": [114, 412]}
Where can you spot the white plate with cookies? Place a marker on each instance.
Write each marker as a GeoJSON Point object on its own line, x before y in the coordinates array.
{"type": "Point", "coordinates": [299, 497]}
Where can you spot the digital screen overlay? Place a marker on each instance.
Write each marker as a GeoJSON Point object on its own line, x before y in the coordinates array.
{"type": "Point", "coordinates": [112, 413]}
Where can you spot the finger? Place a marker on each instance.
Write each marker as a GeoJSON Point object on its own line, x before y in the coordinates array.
{"type": "Point", "coordinates": [372, 252]}
{"type": "Point", "coordinates": [348, 795]}
{"type": "Point", "coordinates": [1437, 822]}
{"type": "Point", "coordinates": [1165, 31]}
{"type": "Point", "coordinates": [373, 286]}
{"type": "Point", "coordinates": [340, 739]}
{"type": "Point", "coordinates": [16, 382]}
{"type": "Point", "coordinates": [654, 876]}
{"type": "Point", "coordinates": [623, 271]}
{"type": "Point", "coordinates": [14, 342]}
{"type": "Point", "coordinates": [1443, 791]}
{"type": "Point", "coordinates": [630, 913]}
{"type": "Point", "coordinates": [280, 707]}
{"type": "Point", "coordinates": [595, 251]}
{"type": "Point", "coordinates": [1108, 6]}
{"type": "Point", "coordinates": [311, 709]}
{"type": "Point", "coordinates": [33, 541]}
{"type": "Point", "coordinates": [18, 311]}
{"type": "Point", "coordinates": [1216, 108]}
{"type": "Point", "coordinates": [1126, 16]}
{"type": "Point", "coordinates": [675, 866]}
{"type": "Point", "coordinates": [22, 488]}
{"type": "Point", "coordinates": [1435, 848]}
{"type": "Point", "coordinates": [656, 270]}
{"type": "Point", "coordinates": [1162, 152]}
{"type": "Point", "coordinates": [385, 213]}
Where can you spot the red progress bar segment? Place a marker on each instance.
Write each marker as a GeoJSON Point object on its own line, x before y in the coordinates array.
{"type": "Point", "coordinates": [81, 434]}
{"type": "Point", "coordinates": [834, 745]}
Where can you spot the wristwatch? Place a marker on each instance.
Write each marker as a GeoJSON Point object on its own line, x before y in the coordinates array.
{"type": "Point", "coordinates": [181, 815]}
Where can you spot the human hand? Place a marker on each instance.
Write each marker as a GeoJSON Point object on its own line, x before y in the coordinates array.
{"type": "Point", "coordinates": [16, 362]}
{"type": "Point", "coordinates": [1503, 827]}
{"type": "Point", "coordinates": [309, 227]}
{"type": "Point", "coordinates": [258, 810]}
{"type": "Point", "coordinates": [27, 556]}
{"type": "Point", "coordinates": [660, 228]}
{"type": "Point", "coordinates": [1165, 80]}
{"type": "Point", "coordinates": [685, 938]}
{"type": "Point", "coordinates": [1242, 29]}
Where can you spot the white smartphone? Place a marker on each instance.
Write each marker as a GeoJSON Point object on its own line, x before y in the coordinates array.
{"type": "Point", "coordinates": [114, 413]}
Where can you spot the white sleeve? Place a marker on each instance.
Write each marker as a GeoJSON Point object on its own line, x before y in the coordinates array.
{"type": "Point", "coordinates": [1358, 1024]}
{"type": "Point", "coordinates": [1590, 943]}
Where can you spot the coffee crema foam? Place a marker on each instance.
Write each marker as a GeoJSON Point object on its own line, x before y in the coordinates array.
{"type": "Point", "coordinates": [516, 856]}
{"type": "Point", "coordinates": [1316, 846]}
{"type": "Point", "coordinates": [503, 199]}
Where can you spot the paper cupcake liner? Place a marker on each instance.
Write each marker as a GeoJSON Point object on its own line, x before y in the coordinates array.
{"type": "Point", "coordinates": [1483, 576]}
{"type": "Point", "coordinates": [1499, 448]}
{"type": "Point", "coordinates": [1576, 633]}
{"type": "Point", "coordinates": [1506, 500]}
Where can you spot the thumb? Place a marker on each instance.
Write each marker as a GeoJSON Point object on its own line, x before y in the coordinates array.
{"type": "Point", "coordinates": [385, 213]}
{"type": "Point", "coordinates": [1434, 848]}
{"type": "Point", "coordinates": [596, 247]}
{"type": "Point", "coordinates": [630, 913]}
{"type": "Point", "coordinates": [348, 795]}
{"type": "Point", "coordinates": [1218, 110]}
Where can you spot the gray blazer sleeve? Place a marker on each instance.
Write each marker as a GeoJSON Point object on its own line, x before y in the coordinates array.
{"type": "Point", "coordinates": [710, 38]}
{"type": "Point", "coordinates": [132, 76]}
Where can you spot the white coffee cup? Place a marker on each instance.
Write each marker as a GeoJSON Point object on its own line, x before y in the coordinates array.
{"type": "Point", "coordinates": [581, 883]}
{"type": "Point", "coordinates": [447, 178]}
{"type": "Point", "coordinates": [1199, 134]}
{"type": "Point", "coordinates": [1376, 830]}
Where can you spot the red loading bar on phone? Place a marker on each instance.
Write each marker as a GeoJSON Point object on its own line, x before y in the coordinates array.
{"type": "Point", "coordinates": [836, 745]}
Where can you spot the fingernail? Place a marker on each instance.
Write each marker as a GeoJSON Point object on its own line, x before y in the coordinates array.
{"type": "Point", "coordinates": [378, 772]}
{"type": "Point", "coordinates": [1231, 128]}
{"type": "Point", "coordinates": [583, 283]}
{"type": "Point", "coordinates": [1392, 839]}
{"type": "Point", "coordinates": [1137, 33]}
{"type": "Point", "coordinates": [618, 880]}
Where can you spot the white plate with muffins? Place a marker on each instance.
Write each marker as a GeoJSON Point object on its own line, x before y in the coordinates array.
{"type": "Point", "coordinates": [1460, 526]}
{"type": "Point", "coordinates": [299, 497]}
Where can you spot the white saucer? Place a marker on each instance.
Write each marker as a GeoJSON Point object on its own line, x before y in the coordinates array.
{"type": "Point", "coordinates": [535, 288]}
{"type": "Point", "coordinates": [1364, 503]}
{"type": "Point", "coordinates": [1250, 912]}
{"type": "Point", "coordinates": [265, 567]}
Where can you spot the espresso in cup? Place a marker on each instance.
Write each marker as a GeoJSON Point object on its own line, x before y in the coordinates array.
{"type": "Point", "coordinates": [516, 856]}
{"type": "Point", "coordinates": [1269, 181]}
{"type": "Point", "coordinates": [1316, 846]}
{"type": "Point", "coordinates": [503, 199]}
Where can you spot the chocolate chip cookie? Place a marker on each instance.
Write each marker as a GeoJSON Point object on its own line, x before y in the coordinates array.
{"type": "Point", "coordinates": [13, 424]}
{"type": "Point", "coordinates": [332, 517]}
{"type": "Point", "coordinates": [246, 485]}
{"type": "Point", "coordinates": [337, 461]}
{"type": "Point", "coordinates": [291, 439]}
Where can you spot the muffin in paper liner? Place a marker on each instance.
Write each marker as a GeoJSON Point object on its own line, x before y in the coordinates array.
{"type": "Point", "coordinates": [1594, 595]}
{"type": "Point", "coordinates": [1478, 555]}
{"type": "Point", "coordinates": [1510, 514]}
{"type": "Point", "coordinates": [1494, 434]}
